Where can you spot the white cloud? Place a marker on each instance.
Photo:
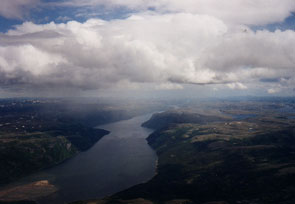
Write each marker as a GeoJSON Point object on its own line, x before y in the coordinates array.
{"type": "Point", "coordinates": [16, 9]}
{"type": "Point", "coordinates": [237, 85]}
{"type": "Point", "coordinates": [164, 49]}
{"type": "Point", "coordinates": [273, 90]}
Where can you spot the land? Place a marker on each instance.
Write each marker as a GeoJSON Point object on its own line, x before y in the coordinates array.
{"type": "Point", "coordinates": [36, 134]}
{"type": "Point", "coordinates": [220, 152]}
{"type": "Point", "coordinates": [28, 191]}
{"type": "Point", "coordinates": [39, 133]}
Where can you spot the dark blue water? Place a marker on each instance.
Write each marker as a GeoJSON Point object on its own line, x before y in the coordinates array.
{"type": "Point", "coordinates": [243, 116]}
{"type": "Point", "coordinates": [118, 161]}
{"type": "Point", "coordinates": [288, 111]}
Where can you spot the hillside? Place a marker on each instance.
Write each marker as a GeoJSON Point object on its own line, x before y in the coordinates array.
{"type": "Point", "coordinates": [244, 160]}
{"type": "Point", "coordinates": [164, 119]}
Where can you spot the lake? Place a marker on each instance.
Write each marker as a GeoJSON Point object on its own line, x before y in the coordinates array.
{"type": "Point", "coordinates": [116, 162]}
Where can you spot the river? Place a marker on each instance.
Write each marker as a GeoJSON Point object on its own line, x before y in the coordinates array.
{"type": "Point", "coordinates": [116, 162]}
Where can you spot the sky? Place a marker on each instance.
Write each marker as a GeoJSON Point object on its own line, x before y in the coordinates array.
{"type": "Point", "coordinates": [197, 47]}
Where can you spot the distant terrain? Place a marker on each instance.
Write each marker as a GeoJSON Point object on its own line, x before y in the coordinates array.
{"type": "Point", "coordinates": [220, 152]}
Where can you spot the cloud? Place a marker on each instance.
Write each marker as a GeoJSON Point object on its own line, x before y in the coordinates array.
{"type": "Point", "coordinates": [147, 48]}
{"type": "Point", "coordinates": [63, 18]}
{"type": "Point", "coordinates": [169, 86]}
{"type": "Point", "coordinates": [97, 53]}
{"type": "Point", "coordinates": [273, 90]}
{"type": "Point", "coordinates": [251, 12]}
{"type": "Point", "coordinates": [237, 85]}
{"type": "Point", "coordinates": [17, 9]}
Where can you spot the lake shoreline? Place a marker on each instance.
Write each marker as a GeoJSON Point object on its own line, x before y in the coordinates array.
{"type": "Point", "coordinates": [119, 161]}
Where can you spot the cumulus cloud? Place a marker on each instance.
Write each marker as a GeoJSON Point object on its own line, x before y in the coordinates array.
{"type": "Point", "coordinates": [253, 12]}
{"type": "Point", "coordinates": [143, 48]}
{"type": "Point", "coordinates": [167, 50]}
{"type": "Point", "coordinates": [16, 9]}
{"type": "Point", "coordinates": [273, 90]}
